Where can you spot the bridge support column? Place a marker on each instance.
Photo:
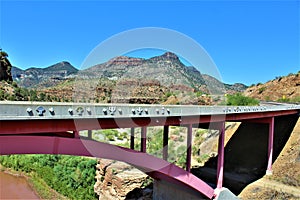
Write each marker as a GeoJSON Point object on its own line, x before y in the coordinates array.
{"type": "Point", "coordinates": [132, 138]}
{"type": "Point", "coordinates": [143, 139]}
{"type": "Point", "coordinates": [76, 134]}
{"type": "Point", "coordinates": [165, 142]}
{"type": "Point", "coordinates": [270, 146]}
{"type": "Point", "coordinates": [90, 134]}
{"type": "Point", "coordinates": [189, 147]}
{"type": "Point", "coordinates": [220, 169]}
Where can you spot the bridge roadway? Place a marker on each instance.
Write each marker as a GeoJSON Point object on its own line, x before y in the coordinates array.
{"type": "Point", "coordinates": [52, 128]}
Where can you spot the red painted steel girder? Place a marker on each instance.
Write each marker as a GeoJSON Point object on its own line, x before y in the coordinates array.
{"type": "Point", "coordinates": [63, 125]}
{"type": "Point", "coordinates": [240, 117]}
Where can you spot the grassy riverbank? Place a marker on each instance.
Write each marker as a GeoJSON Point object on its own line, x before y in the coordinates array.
{"type": "Point", "coordinates": [37, 184]}
{"type": "Point", "coordinates": [71, 176]}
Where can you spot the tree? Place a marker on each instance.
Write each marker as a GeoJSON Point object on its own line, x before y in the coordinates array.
{"type": "Point", "coordinates": [5, 67]}
{"type": "Point", "coordinates": [33, 95]}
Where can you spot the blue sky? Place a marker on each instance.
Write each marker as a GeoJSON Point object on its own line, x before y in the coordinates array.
{"type": "Point", "coordinates": [249, 41]}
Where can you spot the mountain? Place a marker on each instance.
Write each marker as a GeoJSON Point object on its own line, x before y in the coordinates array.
{"type": "Point", "coordinates": [215, 85]}
{"type": "Point", "coordinates": [167, 69]}
{"type": "Point", "coordinates": [283, 89]}
{"type": "Point", "coordinates": [43, 77]}
{"type": "Point", "coordinates": [160, 79]}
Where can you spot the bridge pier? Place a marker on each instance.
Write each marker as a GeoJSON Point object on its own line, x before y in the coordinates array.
{"type": "Point", "coordinates": [270, 147]}
{"type": "Point", "coordinates": [90, 134]}
{"type": "Point", "coordinates": [143, 139]}
{"type": "Point", "coordinates": [189, 147]}
{"type": "Point", "coordinates": [76, 134]}
{"type": "Point", "coordinates": [132, 138]}
{"type": "Point", "coordinates": [220, 168]}
{"type": "Point", "coordinates": [165, 142]}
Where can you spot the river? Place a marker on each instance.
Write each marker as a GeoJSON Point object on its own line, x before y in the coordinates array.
{"type": "Point", "coordinates": [14, 187]}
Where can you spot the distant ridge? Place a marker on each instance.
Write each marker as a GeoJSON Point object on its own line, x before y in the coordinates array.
{"type": "Point", "coordinates": [46, 77]}
{"type": "Point", "coordinates": [165, 70]}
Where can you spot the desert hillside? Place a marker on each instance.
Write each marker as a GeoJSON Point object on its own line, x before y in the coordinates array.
{"type": "Point", "coordinates": [283, 89]}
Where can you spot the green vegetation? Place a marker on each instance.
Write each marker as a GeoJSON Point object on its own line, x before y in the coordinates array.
{"type": "Point", "coordinates": [24, 94]}
{"type": "Point", "coordinates": [5, 67]}
{"type": "Point", "coordinates": [289, 100]}
{"type": "Point", "coordinates": [71, 176]}
{"type": "Point", "coordinates": [240, 100]}
{"type": "Point", "coordinates": [176, 149]}
{"type": "Point", "coordinates": [177, 144]}
{"type": "Point", "coordinates": [110, 135]}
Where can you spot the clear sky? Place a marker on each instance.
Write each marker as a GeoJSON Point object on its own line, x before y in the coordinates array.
{"type": "Point", "coordinates": [249, 41]}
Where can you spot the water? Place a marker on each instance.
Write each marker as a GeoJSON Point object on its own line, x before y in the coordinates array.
{"type": "Point", "coordinates": [13, 187]}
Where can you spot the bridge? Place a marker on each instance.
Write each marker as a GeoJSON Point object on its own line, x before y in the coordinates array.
{"type": "Point", "coordinates": [53, 128]}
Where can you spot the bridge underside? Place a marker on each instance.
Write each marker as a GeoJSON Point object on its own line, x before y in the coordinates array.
{"type": "Point", "coordinates": [155, 167]}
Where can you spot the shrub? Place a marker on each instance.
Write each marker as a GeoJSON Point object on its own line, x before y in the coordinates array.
{"type": "Point", "coordinates": [260, 90]}
{"type": "Point", "coordinates": [296, 99]}
{"type": "Point", "coordinates": [110, 137]}
{"type": "Point", "coordinates": [239, 100]}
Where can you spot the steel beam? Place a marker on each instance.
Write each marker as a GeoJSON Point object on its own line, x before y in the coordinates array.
{"type": "Point", "coordinates": [90, 134]}
{"type": "Point", "coordinates": [220, 169]}
{"type": "Point", "coordinates": [132, 138]}
{"type": "Point", "coordinates": [270, 147]}
{"type": "Point", "coordinates": [46, 125]}
{"type": "Point", "coordinates": [76, 134]}
{"type": "Point", "coordinates": [189, 147]}
{"type": "Point", "coordinates": [143, 139]}
{"type": "Point", "coordinates": [165, 142]}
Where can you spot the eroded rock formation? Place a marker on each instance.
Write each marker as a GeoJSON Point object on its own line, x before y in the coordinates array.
{"type": "Point", "coordinates": [118, 180]}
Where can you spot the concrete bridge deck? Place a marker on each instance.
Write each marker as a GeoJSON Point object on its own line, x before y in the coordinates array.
{"type": "Point", "coordinates": [14, 110]}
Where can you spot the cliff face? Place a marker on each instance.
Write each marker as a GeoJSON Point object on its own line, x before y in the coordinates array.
{"type": "Point", "coordinates": [5, 67]}
{"type": "Point", "coordinates": [118, 180]}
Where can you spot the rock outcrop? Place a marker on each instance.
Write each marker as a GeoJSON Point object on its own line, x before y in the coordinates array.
{"type": "Point", "coordinates": [5, 67]}
{"type": "Point", "coordinates": [118, 180]}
